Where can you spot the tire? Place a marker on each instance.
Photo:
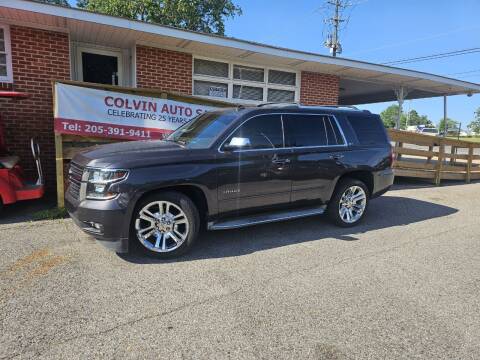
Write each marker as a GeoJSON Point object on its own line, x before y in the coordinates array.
{"type": "Point", "coordinates": [354, 210]}
{"type": "Point", "coordinates": [164, 225]}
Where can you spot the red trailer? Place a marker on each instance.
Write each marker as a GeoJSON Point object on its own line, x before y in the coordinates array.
{"type": "Point", "coordinates": [13, 184]}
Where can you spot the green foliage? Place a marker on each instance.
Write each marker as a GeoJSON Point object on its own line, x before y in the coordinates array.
{"type": "Point", "coordinates": [198, 15]}
{"type": "Point", "coordinates": [390, 114]}
{"type": "Point", "coordinates": [413, 118]}
{"type": "Point", "coordinates": [452, 125]}
{"type": "Point", "coordinates": [55, 2]}
{"type": "Point", "coordinates": [474, 126]}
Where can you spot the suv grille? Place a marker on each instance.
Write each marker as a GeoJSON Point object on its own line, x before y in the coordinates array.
{"type": "Point", "coordinates": [75, 179]}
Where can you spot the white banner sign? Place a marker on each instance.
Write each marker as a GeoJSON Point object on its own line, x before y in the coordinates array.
{"type": "Point", "coordinates": [86, 111]}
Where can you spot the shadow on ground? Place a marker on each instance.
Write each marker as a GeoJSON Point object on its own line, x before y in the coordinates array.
{"type": "Point", "coordinates": [404, 183]}
{"type": "Point", "coordinates": [384, 212]}
{"type": "Point", "coordinates": [23, 210]}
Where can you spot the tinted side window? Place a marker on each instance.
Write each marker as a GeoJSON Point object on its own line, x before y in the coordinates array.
{"type": "Point", "coordinates": [334, 136]}
{"type": "Point", "coordinates": [264, 132]}
{"type": "Point", "coordinates": [305, 130]}
{"type": "Point", "coordinates": [368, 128]}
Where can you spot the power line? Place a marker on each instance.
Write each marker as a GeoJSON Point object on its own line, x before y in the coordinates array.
{"type": "Point", "coordinates": [434, 56]}
{"type": "Point", "coordinates": [416, 40]}
{"type": "Point", "coordinates": [465, 72]}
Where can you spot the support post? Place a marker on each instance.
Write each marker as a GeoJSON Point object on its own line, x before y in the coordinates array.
{"type": "Point", "coordinates": [401, 94]}
{"type": "Point", "coordinates": [469, 164]}
{"type": "Point", "coordinates": [59, 170]}
{"type": "Point", "coordinates": [445, 125]}
{"type": "Point", "coordinates": [438, 170]}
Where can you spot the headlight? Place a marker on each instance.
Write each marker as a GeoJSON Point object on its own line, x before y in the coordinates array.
{"type": "Point", "coordinates": [99, 181]}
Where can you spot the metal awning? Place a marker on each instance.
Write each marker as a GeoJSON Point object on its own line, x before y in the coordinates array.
{"type": "Point", "coordinates": [360, 82]}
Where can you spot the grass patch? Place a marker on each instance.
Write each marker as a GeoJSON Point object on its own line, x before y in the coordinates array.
{"type": "Point", "coordinates": [474, 139]}
{"type": "Point", "coordinates": [50, 214]}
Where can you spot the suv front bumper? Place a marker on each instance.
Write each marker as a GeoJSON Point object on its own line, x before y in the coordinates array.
{"type": "Point", "coordinates": [106, 220]}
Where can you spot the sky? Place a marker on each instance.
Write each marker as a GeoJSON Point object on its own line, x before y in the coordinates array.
{"type": "Point", "coordinates": [379, 31]}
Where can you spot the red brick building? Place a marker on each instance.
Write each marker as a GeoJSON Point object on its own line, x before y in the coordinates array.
{"type": "Point", "coordinates": [40, 43]}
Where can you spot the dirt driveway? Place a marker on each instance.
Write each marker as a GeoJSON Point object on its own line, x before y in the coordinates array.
{"type": "Point", "coordinates": [405, 284]}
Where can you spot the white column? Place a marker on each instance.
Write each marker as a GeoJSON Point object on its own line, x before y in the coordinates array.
{"type": "Point", "coordinates": [401, 93]}
{"type": "Point", "coordinates": [445, 125]}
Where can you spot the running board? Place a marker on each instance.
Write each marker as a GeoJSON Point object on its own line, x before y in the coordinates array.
{"type": "Point", "coordinates": [265, 218]}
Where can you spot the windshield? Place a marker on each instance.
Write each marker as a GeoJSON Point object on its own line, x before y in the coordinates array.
{"type": "Point", "coordinates": [201, 132]}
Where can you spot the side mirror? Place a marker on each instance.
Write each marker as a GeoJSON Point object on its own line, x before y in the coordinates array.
{"type": "Point", "coordinates": [237, 143]}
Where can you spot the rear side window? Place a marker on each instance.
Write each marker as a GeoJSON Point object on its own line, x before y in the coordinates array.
{"type": "Point", "coordinates": [263, 132]}
{"type": "Point", "coordinates": [305, 130]}
{"type": "Point", "coordinates": [334, 136]}
{"type": "Point", "coordinates": [368, 128]}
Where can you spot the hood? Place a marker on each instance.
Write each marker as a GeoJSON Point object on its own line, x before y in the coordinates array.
{"type": "Point", "coordinates": [131, 154]}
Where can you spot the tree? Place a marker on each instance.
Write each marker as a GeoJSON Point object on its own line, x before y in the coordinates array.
{"type": "Point", "coordinates": [474, 126]}
{"type": "Point", "coordinates": [55, 2]}
{"type": "Point", "coordinates": [413, 118]}
{"type": "Point", "coordinates": [389, 116]}
{"type": "Point", "coordinates": [198, 15]}
{"type": "Point", "coordinates": [451, 124]}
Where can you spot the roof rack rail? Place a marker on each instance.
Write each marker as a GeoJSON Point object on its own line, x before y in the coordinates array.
{"type": "Point", "coordinates": [272, 103]}
{"type": "Point", "coordinates": [341, 106]}
{"type": "Point", "coordinates": [300, 106]}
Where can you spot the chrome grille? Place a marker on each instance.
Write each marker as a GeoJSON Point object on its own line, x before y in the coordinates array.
{"type": "Point", "coordinates": [75, 174]}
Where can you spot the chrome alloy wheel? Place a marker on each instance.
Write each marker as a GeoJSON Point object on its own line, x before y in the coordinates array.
{"type": "Point", "coordinates": [352, 204]}
{"type": "Point", "coordinates": [161, 226]}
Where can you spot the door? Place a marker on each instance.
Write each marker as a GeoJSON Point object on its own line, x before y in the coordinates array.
{"type": "Point", "coordinates": [258, 175]}
{"type": "Point", "coordinates": [318, 152]}
{"type": "Point", "coordinates": [99, 66]}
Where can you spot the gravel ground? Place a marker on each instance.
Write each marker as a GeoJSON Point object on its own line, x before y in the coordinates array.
{"type": "Point", "coordinates": [404, 284]}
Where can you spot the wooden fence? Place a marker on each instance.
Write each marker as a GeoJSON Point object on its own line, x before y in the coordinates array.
{"type": "Point", "coordinates": [435, 158]}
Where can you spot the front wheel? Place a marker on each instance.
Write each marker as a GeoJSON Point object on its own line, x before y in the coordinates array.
{"type": "Point", "coordinates": [165, 225]}
{"type": "Point", "coordinates": [349, 202]}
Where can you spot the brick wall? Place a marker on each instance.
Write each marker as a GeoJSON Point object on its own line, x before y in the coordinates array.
{"type": "Point", "coordinates": [38, 56]}
{"type": "Point", "coordinates": [164, 69]}
{"type": "Point", "coordinates": [319, 89]}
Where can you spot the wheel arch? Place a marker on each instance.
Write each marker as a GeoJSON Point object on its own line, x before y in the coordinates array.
{"type": "Point", "coordinates": [364, 176]}
{"type": "Point", "coordinates": [193, 192]}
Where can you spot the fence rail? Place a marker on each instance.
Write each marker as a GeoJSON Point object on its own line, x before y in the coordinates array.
{"type": "Point", "coordinates": [435, 158]}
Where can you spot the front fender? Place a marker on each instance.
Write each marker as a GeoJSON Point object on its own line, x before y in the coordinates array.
{"type": "Point", "coordinates": [202, 176]}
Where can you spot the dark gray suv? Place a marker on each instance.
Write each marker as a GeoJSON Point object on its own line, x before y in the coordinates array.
{"type": "Point", "coordinates": [228, 169]}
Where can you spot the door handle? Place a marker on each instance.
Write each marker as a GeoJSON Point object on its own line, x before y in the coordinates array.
{"type": "Point", "coordinates": [336, 156]}
{"type": "Point", "coordinates": [280, 161]}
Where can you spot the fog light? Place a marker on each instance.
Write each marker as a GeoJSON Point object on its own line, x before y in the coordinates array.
{"type": "Point", "coordinates": [95, 227]}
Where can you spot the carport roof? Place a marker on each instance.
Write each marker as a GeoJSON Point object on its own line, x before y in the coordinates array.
{"type": "Point", "coordinates": [360, 82]}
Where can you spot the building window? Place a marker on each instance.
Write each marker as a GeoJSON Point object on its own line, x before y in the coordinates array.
{"type": "Point", "coordinates": [210, 68]}
{"type": "Point", "coordinates": [243, 83]}
{"type": "Point", "coordinates": [6, 74]}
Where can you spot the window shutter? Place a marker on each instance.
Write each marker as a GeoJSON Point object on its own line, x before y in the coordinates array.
{"type": "Point", "coordinates": [210, 68]}
{"type": "Point", "coordinates": [207, 88]}
{"type": "Point", "coordinates": [281, 77]}
{"type": "Point", "coordinates": [275, 95]}
{"type": "Point", "coordinates": [248, 73]}
{"type": "Point", "coordinates": [247, 92]}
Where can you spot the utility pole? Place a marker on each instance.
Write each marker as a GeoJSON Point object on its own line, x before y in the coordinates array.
{"type": "Point", "coordinates": [333, 41]}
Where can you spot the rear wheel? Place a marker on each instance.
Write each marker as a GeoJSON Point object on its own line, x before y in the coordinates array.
{"type": "Point", "coordinates": [165, 225]}
{"type": "Point", "coordinates": [349, 202]}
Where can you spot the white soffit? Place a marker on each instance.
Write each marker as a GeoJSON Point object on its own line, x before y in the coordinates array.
{"type": "Point", "coordinates": [89, 27]}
